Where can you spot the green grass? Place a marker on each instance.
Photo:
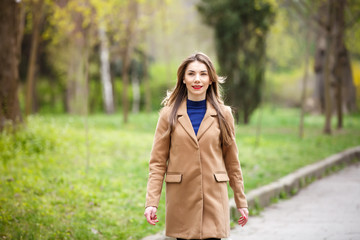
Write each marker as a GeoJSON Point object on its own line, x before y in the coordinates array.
{"type": "Point", "coordinates": [53, 187]}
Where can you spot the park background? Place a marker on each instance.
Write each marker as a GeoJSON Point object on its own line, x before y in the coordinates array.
{"type": "Point", "coordinates": [81, 83]}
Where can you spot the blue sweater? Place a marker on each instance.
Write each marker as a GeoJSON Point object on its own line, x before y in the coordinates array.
{"type": "Point", "coordinates": [196, 111]}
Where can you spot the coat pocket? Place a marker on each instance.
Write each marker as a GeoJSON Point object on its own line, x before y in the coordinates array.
{"type": "Point", "coordinates": [221, 177]}
{"type": "Point", "coordinates": [173, 178]}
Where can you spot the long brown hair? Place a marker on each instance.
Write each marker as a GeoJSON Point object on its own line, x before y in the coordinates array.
{"type": "Point", "coordinates": [175, 97]}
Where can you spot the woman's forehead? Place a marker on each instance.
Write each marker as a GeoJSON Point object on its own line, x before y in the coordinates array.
{"type": "Point", "coordinates": [196, 66]}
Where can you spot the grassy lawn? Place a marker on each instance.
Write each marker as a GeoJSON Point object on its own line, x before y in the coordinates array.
{"type": "Point", "coordinates": [57, 182]}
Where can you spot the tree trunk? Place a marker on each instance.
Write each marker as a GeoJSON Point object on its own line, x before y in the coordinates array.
{"type": "Point", "coordinates": [105, 71]}
{"type": "Point", "coordinates": [239, 112]}
{"type": "Point", "coordinates": [319, 69]}
{"type": "Point", "coordinates": [86, 123]}
{"type": "Point", "coordinates": [76, 82]}
{"type": "Point", "coordinates": [342, 89]}
{"type": "Point", "coordinates": [339, 98]}
{"type": "Point", "coordinates": [304, 86]}
{"type": "Point", "coordinates": [37, 11]}
{"type": "Point", "coordinates": [327, 84]}
{"type": "Point", "coordinates": [338, 35]}
{"type": "Point", "coordinates": [136, 91]}
{"type": "Point", "coordinates": [166, 47]}
{"type": "Point", "coordinates": [125, 79]}
{"type": "Point", "coordinates": [127, 55]}
{"type": "Point", "coordinates": [348, 86]}
{"type": "Point", "coordinates": [245, 110]}
{"type": "Point", "coordinates": [146, 83]}
{"type": "Point", "coordinates": [11, 32]}
{"type": "Point", "coordinates": [258, 127]}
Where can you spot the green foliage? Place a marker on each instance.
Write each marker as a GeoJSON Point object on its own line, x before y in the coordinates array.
{"type": "Point", "coordinates": [280, 151]}
{"type": "Point", "coordinates": [240, 35]}
{"type": "Point", "coordinates": [352, 31]}
{"type": "Point", "coordinates": [294, 191]}
{"type": "Point", "coordinates": [286, 41]}
{"type": "Point", "coordinates": [283, 87]}
{"type": "Point", "coordinates": [274, 200]}
{"type": "Point", "coordinates": [283, 195]}
{"type": "Point", "coordinates": [47, 193]}
{"type": "Point", "coordinates": [160, 82]}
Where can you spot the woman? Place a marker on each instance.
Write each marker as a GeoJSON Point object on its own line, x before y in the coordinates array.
{"type": "Point", "coordinates": [194, 148]}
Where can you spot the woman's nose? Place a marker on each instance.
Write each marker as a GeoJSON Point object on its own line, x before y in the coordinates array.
{"type": "Point", "coordinates": [197, 77]}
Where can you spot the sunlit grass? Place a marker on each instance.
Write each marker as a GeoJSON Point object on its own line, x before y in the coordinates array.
{"type": "Point", "coordinates": [52, 186]}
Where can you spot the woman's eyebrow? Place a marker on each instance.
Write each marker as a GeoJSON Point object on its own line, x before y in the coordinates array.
{"type": "Point", "coordinates": [190, 70]}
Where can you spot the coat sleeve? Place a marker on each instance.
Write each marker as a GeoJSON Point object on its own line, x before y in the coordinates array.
{"type": "Point", "coordinates": [158, 159]}
{"type": "Point", "coordinates": [232, 164]}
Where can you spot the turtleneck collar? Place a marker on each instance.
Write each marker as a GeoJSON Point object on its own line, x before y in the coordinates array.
{"type": "Point", "coordinates": [196, 104]}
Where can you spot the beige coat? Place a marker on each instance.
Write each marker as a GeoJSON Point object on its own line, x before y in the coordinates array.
{"type": "Point", "coordinates": [197, 170]}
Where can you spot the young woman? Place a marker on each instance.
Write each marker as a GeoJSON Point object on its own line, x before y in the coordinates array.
{"type": "Point", "coordinates": [194, 148]}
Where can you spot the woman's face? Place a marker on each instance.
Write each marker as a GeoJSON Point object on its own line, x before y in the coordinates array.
{"type": "Point", "coordinates": [197, 80]}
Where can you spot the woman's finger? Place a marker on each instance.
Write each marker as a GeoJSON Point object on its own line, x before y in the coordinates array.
{"type": "Point", "coordinates": [148, 219]}
{"type": "Point", "coordinates": [150, 214]}
{"type": "Point", "coordinates": [244, 216]}
{"type": "Point", "coordinates": [153, 213]}
{"type": "Point", "coordinates": [242, 220]}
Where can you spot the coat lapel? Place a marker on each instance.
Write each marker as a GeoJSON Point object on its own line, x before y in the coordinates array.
{"type": "Point", "coordinates": [185, 122]}
{"type": "Point", "coordinates": [208, 120]}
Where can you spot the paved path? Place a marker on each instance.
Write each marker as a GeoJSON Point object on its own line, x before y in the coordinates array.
{"type": "Point", "coordinates": [328, 209]}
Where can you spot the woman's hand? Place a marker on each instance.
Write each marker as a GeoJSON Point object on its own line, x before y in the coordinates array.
{"type": "Point", "coordinates": [244, 216]}
{"type": "Point", "coordinates": [150, 214]}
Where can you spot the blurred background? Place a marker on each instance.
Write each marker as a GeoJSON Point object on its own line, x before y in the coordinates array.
{"type": "Point", "coordinates": [81, 82]}
{"type": "Point", "coordinates": [122, 56]}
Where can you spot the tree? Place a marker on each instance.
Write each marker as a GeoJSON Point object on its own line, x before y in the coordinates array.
{"type": "Point", "coordinates": [304, 84]}
{"type": "Point", "coordinates": [73, 34]}
{"type": "Point", "coordinates": [11, 32]}
{"type": "Point", "coordinates": [345, 93]}
{"type": "Point", "coordinates": [127, 51]}
{"type": "Point", "coordinates": [327, 53]}
{"type": "Point", "coordinates": [341, 89]}
{"type": "Point", "coordinates": [241, 28]}
{"type": "Point", "coordinates": [36, 14]}
{"type": "Point", "coordinates": [121, 20]}
{"type": "Point", "coordinates": [145, 60]}
{"type": "Point", "coordinates": [103, 16]}
{"type": "Point", "coordinates": [105, 71]}
{"type": "Point", "coordinates": [332, 66]}
{"type": "Point", "coordinates": [109, 31]}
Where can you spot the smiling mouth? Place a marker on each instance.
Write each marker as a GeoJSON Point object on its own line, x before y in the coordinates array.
{"type": "Point", "coordinates": [197, 87]}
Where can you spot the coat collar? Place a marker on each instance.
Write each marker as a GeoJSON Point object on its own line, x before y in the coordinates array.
{"type": "Point", "coordinates": [207, 121]}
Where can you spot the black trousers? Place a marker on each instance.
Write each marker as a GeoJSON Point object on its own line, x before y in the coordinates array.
{"type": "Point", "coordinates": [199, 239]}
